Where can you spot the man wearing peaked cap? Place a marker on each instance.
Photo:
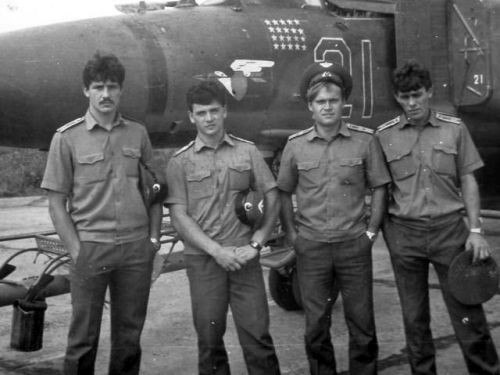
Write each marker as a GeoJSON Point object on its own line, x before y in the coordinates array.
{"type": "Point", "coordinates": [326, 71]}
{"type": "Point", "coordinates": [330, 167]}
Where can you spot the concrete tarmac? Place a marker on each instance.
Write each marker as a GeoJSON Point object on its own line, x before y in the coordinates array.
{"type": "Point", "coordinates": [169, 340]}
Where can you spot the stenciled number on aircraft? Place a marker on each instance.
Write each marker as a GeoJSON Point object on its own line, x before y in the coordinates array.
{"type": "Point", "coordinates": [336, 49]}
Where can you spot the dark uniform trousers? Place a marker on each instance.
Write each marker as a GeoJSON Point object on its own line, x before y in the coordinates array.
{"type": "Point", "coordinates": [411, 252]}
{"type": "Point", "coordinates": [212, 290]}
{"type": "Point", "coordinates": [126, 269]}
{"type": "Point", "coordinates": [319, 266]}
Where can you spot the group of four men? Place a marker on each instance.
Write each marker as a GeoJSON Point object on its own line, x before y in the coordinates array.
{"type": "Point", "coordinates": [427, 158]}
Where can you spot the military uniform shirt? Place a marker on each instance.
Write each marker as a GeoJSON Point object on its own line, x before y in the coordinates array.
{"type": "Point", "coordinates": [330, 179]}
{"type": "Point", "coordinates": [207, 180]}
{"type": "Point", "coordinates": [426, 165]}
{"type": "Point", "coordinates": [98, 170]}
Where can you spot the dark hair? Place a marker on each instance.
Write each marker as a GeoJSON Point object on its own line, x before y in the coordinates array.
{"type": "Point", "coordinates": [411, 76]}
{"type": "Point", "coordinates": [102, 68]}
{"type": "Point", "coordinates": [205, 93]}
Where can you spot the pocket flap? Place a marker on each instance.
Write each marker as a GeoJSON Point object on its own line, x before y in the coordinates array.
{"type": "Point", "coordinates": [131, 152]}
{"type": "Point", "coordinates": [307, 165]}
{"type": "Point", "coordinates": [90, 159]}
{"type": "Point", "coordinates": [393, 155]}
{"type": "Point", "coordinates": [445, 148]}
{"type": "Point", "coordinates": [240, 167]}
{"type": "Point", "coordinates": [351, 162]}
{"type": "Point", "coordinates": [198, 175]}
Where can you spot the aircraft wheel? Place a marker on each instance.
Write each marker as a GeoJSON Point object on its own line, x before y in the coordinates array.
{"type": "Point", "coordinates": [282, 289]}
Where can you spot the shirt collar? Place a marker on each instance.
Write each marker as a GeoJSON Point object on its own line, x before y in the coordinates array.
{"type": "Point", "coordinates": [344, 130]}
{"type": "Point", "coordinates": [432, 121]}
{"type": "Point", "coordinates": [199, 144]}
{"type": "Point", "coordinates": [91, 121]}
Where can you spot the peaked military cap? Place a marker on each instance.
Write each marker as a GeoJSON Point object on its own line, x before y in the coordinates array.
{"type": "Point", "coordinates": [325, 71]}
{"type": "Point", "coordinates": [473, 283]}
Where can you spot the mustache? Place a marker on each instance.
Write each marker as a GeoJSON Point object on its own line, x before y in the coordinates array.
{"type": "Point", "coordinates": [105, 101]}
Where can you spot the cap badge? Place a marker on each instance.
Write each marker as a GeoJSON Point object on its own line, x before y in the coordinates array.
{"type": "Point", "coordinates": [326, 64]}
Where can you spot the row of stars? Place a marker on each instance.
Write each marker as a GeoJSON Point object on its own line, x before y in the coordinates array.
{"type": "Point", "coordinates": [288, 38]}
{"type": "Point", "coordinates": [290, 47]}
{"type": "Point", "coordinates": [286, 30]}
{"type": "Point", "coordinates": [282, 22]}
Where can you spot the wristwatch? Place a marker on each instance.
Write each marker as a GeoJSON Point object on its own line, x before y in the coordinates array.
{"type": "Point", "coordinates": [257, 246]}
{"type": "Point", "coordinates": [476, 230]}
{"type": "Point", "coordinates": [156, 243]}
{"type": "Point", "coordinates": [370, 235]}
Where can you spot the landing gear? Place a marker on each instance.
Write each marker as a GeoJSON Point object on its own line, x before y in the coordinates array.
{"type": "Point", "coordinates": [284, 288]}
{"type": "Point", "coordinates": [285, 291]}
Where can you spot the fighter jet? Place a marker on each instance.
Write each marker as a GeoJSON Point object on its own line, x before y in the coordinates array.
{"type": "Point", "coordinates": [258, 49]}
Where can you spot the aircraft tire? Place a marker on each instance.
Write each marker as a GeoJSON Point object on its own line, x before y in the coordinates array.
{"type": "Point", "coordinates": [282, 288]}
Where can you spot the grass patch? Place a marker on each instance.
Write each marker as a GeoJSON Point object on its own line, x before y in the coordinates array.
{"type": "Point", "coordinates": [22, 171]}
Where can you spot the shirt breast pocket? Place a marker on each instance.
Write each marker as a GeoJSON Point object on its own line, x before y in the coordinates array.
{"type": "Point", "coordinates": [90, 167]}
{"type": "Point", "coordinates": [239, 176]}
{"type": "Point", "coordinates": [309, 173]}
{"type": "Point", "coordinates": [444, 159]}
{"type": "Point", "coordinates": [401, 165]}
{"type": "Point", "coordinates": [131, 161]}
{"type": "Point", "coordinates": [351, 171]}
{"type": "Point", "coordinates": [199, 184]}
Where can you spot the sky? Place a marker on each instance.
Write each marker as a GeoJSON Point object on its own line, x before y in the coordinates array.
{"type": "Point", "coordinates": [18, 14]}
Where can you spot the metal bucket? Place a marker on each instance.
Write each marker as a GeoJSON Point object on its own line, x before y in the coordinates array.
{"type": "Point", "coordinates": [27, 325]}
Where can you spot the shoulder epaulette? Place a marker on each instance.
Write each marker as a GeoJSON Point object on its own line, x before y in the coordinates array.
{"type": "Point", "coordinates": [181, 150]}
{"type": "Point", "coordinates": [241, 139]}
{"type": "Point", "coordinates": [70, 124]}
{"type": "Point", "coordinates": [302, 132]}
{"type": "Point", "coordinates": [126, 117]}
{"type": "Point", "coordinates": [389, 123]}
{"type": "Point", "coordinates": [448, 118]}
{"type": "Point", "coordinates": [360, 128]}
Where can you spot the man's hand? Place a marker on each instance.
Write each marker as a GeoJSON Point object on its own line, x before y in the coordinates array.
{"type": "Point", "coordinates": [290, 237]}
{"type": "Point", "coordinates": [74, 251]}
{"type": "Point", "coordinates": [246, 252]}
{"type": "Point", "coordinates": [478, 244]}
{"type": "Point", "coordinates": [227, 258]}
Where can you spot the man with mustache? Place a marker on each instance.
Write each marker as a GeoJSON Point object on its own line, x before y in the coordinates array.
{"type": "Point", "coordinates": [432, 160]}
{"type": "Point", "coordinates": [330, 167]}
{"type": "Point", "coordinates": [98, 211]}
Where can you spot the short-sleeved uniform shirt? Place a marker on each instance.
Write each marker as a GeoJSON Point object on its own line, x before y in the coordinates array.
{"type": "Point", "coordinates": [98, 170]}
{"type": "Point", "coordinates": [207, 181]}
{"type": "Point", "coordinates": [426, 165]}
{"type": "Point", "coordinates": [331, 180]}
